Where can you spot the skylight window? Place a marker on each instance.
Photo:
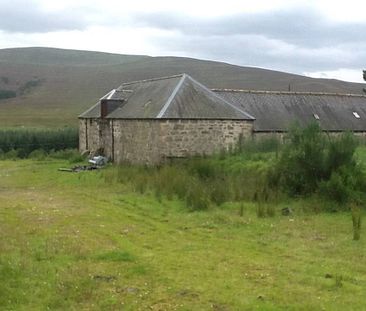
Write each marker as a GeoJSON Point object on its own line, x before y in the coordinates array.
{"type": "Point", "coordinates": [316, 116]}
{"type": "Point", "coordinates": [357, 116]}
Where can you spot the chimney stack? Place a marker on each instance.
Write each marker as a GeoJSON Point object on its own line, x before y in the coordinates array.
{"type": "Point", "coordinates": [103, 108]}
{"type": "Point", "coordinates": [109, 105]}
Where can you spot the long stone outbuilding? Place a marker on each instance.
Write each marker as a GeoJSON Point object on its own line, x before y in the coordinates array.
{"type": "Point", "coordinates": [149, 121]}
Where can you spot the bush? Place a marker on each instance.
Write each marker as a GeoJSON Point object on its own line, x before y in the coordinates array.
{"type": "Point", "coordinates": [311, 162]}
{"type": "Point", "coordinates": [11, 154]}
{"type": "Point", "coordinates": [301, 162]}
{"type": "Point", "coordinates": [334, 188]}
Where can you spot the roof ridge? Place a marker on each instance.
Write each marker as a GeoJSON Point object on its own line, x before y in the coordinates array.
{"type": "Point", "coordinates": [152, 79]}
{"type": "Point", "coordinates": [287, 92]}
{"type": "Point", "coordinates": [171, 97]}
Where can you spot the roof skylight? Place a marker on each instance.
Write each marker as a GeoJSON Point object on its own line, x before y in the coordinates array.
{"type": "Point", "coordinates": [357, 116]}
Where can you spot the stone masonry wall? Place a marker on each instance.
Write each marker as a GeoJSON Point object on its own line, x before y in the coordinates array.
{"type": "Point", "coordinates": [152, 141]}
{"type": "Point", "coordinates": [89, 135]}
{"type": "Point", "coordinates": [136, 141]}
{"type": "Point", "coordinates": [82, 135]}
{"type": "Point", "coordinates": [181, 138]}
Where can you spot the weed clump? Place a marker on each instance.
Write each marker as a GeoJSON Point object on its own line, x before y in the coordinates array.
{"type": "Point", "coordinates": [356, 221]}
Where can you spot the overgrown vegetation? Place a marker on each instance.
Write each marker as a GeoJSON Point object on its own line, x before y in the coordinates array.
{"type": "Point", "coordinates": [21, 143]}
{"type": "Point", "coordinates": [200, 182]}
{"type": "Point", "coordinates": [312, 162]}
{"type": "Point", "coordinates": [308, 163]}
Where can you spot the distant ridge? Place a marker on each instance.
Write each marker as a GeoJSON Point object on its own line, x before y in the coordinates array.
{"type": "Point", "coordinates": [59, 84]}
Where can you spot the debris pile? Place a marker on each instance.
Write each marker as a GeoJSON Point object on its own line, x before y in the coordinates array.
{"type": "Point", "coordinates": [95, 164]}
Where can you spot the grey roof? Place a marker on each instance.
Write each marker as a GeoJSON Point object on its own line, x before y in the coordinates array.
{"type": "Point", "coordinates": [174, 97]}
{"type": "Point", "coordinates": [276, 111]}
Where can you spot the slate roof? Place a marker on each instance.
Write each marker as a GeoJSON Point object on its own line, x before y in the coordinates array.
{"type": "Point", "coordinates": [276, 111]}
{"type": "Point", "coordinates": [174, 97]}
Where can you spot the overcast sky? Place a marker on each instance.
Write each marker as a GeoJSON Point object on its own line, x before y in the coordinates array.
{"type": "Point", "coordinates": [318, 38]}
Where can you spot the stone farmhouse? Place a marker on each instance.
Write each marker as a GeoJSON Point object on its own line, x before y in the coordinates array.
{"type": "Point", "coordinates": [149, 121]}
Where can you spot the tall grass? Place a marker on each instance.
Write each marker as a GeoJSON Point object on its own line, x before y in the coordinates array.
{"type": "Point", "coordinates": [199, 182]}
{"type": "Point", "coordinates": [307, 163]}
{"type": "Point", "coordinates": [22, 142]}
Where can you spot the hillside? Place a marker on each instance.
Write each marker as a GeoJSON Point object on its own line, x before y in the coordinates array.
{"type": "Point", "coordinates": [52, 86]}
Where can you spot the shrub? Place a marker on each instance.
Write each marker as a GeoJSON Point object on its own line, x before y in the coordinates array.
{"type": "Point", "coordinates": [300, 165]}
{"type": "Point", "coordinates": [11, 154]}
{"type": "Point", "coordinates": [311, 162]}
{"type": "Point", "coordinates": [335, 188]}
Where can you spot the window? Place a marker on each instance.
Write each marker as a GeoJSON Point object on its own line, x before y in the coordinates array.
{"type": "Point", "coordinates": [357, 116]}
{"type": "Point", "coordinates": [316, 116]}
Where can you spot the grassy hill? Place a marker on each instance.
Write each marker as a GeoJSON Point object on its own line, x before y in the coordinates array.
{"type": "Point", "coordinates": [53, 86]}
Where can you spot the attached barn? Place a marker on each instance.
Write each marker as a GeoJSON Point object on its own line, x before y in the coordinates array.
{"type": "Point", "coordinates": [152, 120]}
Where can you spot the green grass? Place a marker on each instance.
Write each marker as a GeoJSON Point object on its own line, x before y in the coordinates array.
{"type": "Point", "coordinates": [83, 242]}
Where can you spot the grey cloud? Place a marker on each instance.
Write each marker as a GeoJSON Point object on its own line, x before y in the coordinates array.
{"type": "Point", "coordinates": [303, 27]}
{"type": "Point", "coordinates": [296, 41]}
{"type": "Point", "coordinates": [259, 51]}
{"type": "Point", "coordinates": [27, 17]}
{"type": "Point", "coordinates": [289, 40]}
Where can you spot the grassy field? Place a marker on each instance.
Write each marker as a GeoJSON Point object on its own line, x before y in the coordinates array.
{"type": "Point", "coordinates": [84, 242]}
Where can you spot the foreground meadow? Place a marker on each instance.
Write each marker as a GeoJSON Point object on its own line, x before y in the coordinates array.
{"type": "Point", "coordinates": [81, 241]}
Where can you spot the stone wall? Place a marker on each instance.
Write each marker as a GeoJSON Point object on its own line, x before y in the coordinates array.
{"type": "Point", "coordinates": [89, 135]}
{"type": "Point", "coordinates": [136, 141]}
{"type": "Point", "coordinates": [181, 138]}
{"type": "Point", "coordinates": [153, 141]}
{"type": "Point", "coordinates": [269, 135]}
{"type": "Point", "coordinates": [83, 146]}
